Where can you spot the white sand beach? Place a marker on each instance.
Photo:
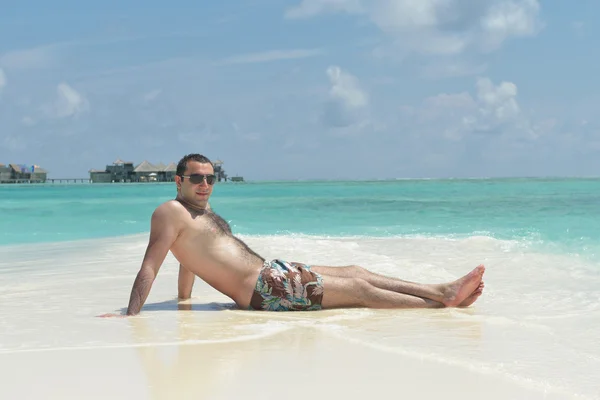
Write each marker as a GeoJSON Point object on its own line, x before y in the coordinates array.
{"type": "Point", "coordinates": [52, 345]}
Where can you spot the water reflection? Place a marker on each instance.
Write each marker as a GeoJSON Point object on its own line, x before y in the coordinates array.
{"type": "Point", "coordinates": [200, 368]}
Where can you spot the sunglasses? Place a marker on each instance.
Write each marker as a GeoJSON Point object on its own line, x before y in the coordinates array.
{"type": "Point", "coordinates": [199, 178]}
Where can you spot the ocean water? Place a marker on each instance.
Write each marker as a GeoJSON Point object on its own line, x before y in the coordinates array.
{"type": "Point", "coordinates": [70, 252]}
{"type": "Point", "coordinates": [560, 212]}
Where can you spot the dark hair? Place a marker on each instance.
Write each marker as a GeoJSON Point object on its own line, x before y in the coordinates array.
{"type": "Point", "coordinates": [182, 165]}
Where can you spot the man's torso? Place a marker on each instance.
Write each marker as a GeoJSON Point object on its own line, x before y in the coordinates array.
{"type": "Point", "coordinates": [206, 247]}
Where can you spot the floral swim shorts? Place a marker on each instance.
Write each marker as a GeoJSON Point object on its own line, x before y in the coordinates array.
{"type": "Point", "coordinates": [287, 286]}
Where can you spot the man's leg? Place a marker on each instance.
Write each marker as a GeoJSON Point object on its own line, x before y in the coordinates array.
{"type": "Point", "coordinates": [450, 294]}
{"type": "Point", "coordinates": [185, 283]}
{"type": "Point", "coordinates": [341, 292]}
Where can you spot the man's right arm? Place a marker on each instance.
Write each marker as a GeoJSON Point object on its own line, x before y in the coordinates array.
{"type": "Point", "coordinates": [163, 233]}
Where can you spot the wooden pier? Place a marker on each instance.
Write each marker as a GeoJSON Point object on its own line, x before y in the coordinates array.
{"type": "Point", "coordinates": [67, 180]}
{"type": "Point", "coordinates": [53, 180]}
{"type": "Point", "coordinates": [21, 180]}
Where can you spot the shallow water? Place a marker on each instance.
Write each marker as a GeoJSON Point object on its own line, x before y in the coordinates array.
{"type": "Point", "coordinates": [559, 214]}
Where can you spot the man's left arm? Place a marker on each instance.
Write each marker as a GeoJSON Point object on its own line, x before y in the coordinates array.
{"type": "Point", "coordinates": [185, 283]}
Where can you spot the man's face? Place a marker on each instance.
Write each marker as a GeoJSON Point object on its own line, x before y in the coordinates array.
{"type": "Point", "coordinates": [195, 193]}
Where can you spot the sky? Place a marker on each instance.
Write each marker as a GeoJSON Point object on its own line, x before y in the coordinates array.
{"type": "Point", "coordinates": [304, 89]}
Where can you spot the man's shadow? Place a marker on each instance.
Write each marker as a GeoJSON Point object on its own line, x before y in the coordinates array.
{"type": "Point", "coordinates": [186, 305]}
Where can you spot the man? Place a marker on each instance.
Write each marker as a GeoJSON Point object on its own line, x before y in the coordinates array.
{"type": "Point", "coordinates": [205, 247]}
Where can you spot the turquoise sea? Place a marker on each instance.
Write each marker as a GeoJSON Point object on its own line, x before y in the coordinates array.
{"type": "Point", "coordinates": [71, 252]}
{"type": "Point", "coordinates": [558, 214]}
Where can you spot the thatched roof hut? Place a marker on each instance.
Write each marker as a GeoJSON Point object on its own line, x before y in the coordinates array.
{"type": "Point", "coordinates": [144, 167]}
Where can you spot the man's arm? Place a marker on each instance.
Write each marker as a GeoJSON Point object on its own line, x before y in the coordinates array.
{"type": "Point", "coordinates": [185, 284]}
{"type": "Point", "coordinates": [163, 232]}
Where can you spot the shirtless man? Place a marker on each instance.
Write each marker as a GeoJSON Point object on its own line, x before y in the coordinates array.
{"type": "Point", "coordinates": [205, 247]}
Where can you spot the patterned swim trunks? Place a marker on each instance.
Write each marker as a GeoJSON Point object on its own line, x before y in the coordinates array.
{"type": "Point", "coordinates": [287, 286]}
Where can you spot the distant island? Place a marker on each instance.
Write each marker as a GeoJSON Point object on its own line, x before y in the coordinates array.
{"type": "Point", "coordinates": [125, 171]}
{"type": "Point", "coordinates": [118, 172]}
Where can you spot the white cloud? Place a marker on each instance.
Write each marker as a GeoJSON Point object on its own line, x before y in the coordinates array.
{"type": "Point", "coordinates": [69, 103]}
{"type": "Point", "coordinates": [345, 88]}
{"type": "Point", "coordinates": [481, 132]}
{"type": "Point", "coordinates": [272, 55]}
{"type": "Point", "coordinates": [509, 18]}
{"type": "Point", "coordinates": [347, 100]}
{"type": "Point", "coordinates": [437, 27]}
{"type": "Point", "coordinates": [494, 110]}
{"type": "Point", "coordinates": [497, 102]}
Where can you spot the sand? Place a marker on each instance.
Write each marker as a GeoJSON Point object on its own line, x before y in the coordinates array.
{"type": "Point", "coordinates": [53, 345]}
{"type": "Point", "coordinates": [298, 363]}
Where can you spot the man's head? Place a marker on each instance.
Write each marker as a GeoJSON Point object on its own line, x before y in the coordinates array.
{"type": "Point", "coordinates": [194, 178]}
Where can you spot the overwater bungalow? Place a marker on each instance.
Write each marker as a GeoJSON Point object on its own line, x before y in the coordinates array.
{"type": "Point", "coordinates": [125, 171]}
{"type": "Point", "coordinates": [22, 173]}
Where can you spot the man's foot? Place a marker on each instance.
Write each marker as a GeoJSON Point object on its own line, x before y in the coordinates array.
{"type": "Point", "coordinates": [474, 296]}
{"type": "Point", "coordinates": [458, 291]}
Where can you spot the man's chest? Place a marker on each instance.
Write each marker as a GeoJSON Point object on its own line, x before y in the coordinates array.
{"type": "Point", "coordinates": [209, 222]}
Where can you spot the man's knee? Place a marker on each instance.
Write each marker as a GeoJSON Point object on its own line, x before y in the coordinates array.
{"type": "Point", "coordinates": [361, 292]}
{"type": "Point", "coordinates": [356, 270]}
{"type": "Point", "coordinates": [359, 285]}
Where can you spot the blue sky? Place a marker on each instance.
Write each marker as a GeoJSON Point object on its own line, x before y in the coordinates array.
{"type": "Point", "coordinates": [304, 89]}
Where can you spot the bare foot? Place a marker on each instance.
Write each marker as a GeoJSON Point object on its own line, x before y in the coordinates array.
{"type": "Point", "coordinates": [458, 291]}
{"type": "Point", "coordinates": [474, 296]}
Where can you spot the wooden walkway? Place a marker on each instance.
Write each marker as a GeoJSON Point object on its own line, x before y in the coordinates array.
{"type": "Point", "coordinates": [74, 180]}
{"type": "Point", "coordinates": [52, 180]}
